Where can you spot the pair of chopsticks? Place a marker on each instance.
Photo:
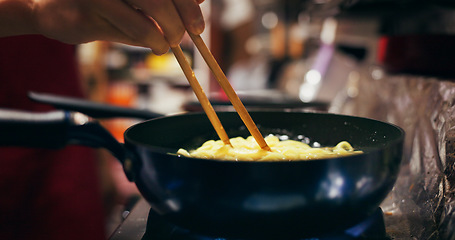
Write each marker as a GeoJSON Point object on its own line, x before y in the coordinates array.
{"type": "Point", "coordinates": [225, 85]}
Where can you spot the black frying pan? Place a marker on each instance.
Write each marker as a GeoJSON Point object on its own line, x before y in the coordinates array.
{"type": "Point", "coordinates": [240, 199]}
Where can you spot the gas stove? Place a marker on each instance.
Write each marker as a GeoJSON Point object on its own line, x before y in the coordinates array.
{"type": "Point", "coordinates": [144, 224]}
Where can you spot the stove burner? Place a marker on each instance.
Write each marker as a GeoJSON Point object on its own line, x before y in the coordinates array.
{"type": "Point", "coordinates": [372, 228]}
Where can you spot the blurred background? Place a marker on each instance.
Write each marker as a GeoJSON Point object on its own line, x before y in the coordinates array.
{"type": "Point", "coordinates": [386, 59]}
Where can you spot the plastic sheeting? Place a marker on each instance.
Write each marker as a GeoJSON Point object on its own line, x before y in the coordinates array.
{"type": "Point", "coordinates": [422, 203]}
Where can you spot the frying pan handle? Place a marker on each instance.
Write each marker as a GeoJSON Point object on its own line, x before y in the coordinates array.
{"type": "Point", "coordinates": [57, 129]}
{"type": "Point", "coordinates": [46, 130]}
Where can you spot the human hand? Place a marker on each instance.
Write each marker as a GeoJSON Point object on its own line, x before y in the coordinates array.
{"type": "Point", "coordinates": [155, 24]}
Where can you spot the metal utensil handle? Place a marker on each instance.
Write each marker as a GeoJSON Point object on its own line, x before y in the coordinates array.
{"type": "Point", "coordinates": [93, 109]}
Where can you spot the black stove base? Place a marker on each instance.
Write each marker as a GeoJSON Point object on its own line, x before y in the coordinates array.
{"type": "Point", "coordinates": [372, 228]}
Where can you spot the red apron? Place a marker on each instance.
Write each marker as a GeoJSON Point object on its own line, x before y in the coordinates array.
{"type": "Point", "coordinates": [45, 194]}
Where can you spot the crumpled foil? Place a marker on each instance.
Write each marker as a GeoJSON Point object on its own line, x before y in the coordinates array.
{"type": "Point", "coordinates": [422, 202]}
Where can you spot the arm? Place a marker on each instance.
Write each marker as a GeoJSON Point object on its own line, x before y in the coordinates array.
{"type": "Point", "coordinates": [15, 18]}
{"type": "Point", "coordinates": [149, 23]}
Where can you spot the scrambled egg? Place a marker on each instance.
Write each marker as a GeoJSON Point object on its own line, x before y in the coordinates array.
{"type": "Point", "coordinates": [248, 150]}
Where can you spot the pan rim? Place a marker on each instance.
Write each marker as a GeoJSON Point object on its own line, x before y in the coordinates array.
{"type": "Point", "coordinates": [171, 151]}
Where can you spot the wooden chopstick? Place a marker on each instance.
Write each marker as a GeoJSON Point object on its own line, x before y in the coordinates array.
{"type": "Point", "coordinates": [230, 92]}
{"type": "Point", "coordinates": [208, 109]}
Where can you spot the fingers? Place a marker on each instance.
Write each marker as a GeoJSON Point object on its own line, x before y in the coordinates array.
{"type": "Point", "coordinates": [112, 33]}
{"type": "Point", "coordinates": [166, 16]}
{"type": "Point", "coordinates": [139, 30]}
{"type": "Point", "coordinates": [149, 23]}
{"type": "Point", "coordinates": [191, 15]}
{"type": "Point", "coordinates": [174, 17]}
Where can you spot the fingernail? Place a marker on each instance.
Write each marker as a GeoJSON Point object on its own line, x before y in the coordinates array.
{"type": "Point", "coordinates": [159, 52]}
{"type": "Point", "coordinates": [198, 26]}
